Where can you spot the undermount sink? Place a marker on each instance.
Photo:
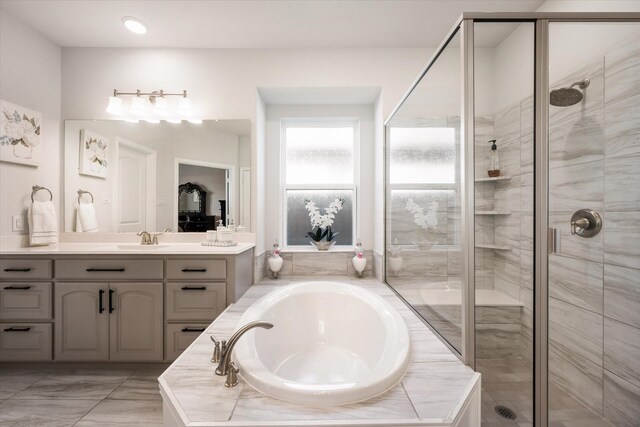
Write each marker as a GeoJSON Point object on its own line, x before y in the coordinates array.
{"type": "Point", "coordinates": [332, 344]}
{"type": "Point", "coordinates": [138, 247]}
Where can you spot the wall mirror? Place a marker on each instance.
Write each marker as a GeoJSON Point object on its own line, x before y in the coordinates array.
{"type": "Point", "coordinates": [127, 177]}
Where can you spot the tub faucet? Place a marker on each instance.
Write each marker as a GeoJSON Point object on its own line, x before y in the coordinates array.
{"type": "Point", "coordinates": [226, 366]}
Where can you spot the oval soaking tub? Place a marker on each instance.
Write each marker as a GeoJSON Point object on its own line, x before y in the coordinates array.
{"type": "Point", "coordinates": [332, 344]}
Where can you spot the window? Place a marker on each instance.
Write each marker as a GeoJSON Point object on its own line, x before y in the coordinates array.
{"type": "Point", "coordinates": [423, 185]}
{"type": "Point", "coordinates": [319, 164]}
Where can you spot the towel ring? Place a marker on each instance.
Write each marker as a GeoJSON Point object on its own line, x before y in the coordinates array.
{"type": "Point", "coordinates": [81, 192]}
{"type": "Point", "coordinates": [37, 188]}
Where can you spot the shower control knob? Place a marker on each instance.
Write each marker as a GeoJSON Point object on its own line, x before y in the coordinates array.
{"type": "Point", "coordinates": [586, 223]}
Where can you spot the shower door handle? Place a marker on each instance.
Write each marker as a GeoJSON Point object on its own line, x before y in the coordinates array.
{"type": "Point", "coordinates": [553, 241]}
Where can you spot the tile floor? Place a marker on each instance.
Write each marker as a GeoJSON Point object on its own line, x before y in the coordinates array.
{"type": "Point", "coordinates": [508, 382]}
{"type": "Point", "coordinates": [80, 394]}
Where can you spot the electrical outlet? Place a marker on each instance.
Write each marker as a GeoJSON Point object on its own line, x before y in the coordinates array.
{"type": "Point", "coordinates": [17, 222]}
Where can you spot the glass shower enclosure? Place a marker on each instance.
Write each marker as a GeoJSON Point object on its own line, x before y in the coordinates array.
{"type": "Point", "coordinates": [512, 204]}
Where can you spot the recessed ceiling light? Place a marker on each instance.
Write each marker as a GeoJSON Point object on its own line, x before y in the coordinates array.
{"type": "Point", "coordinates": [134, 25]}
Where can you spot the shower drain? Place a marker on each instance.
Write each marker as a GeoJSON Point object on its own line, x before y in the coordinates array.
{"type": "Point", "coordinates": [505, 412]}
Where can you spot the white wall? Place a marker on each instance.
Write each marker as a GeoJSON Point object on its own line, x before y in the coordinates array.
{"type": "Point", "coordinates": [30, 76]}
{"type": "Point", "coordinates": [378, 177]}
{"type": "Point", "coordinates": [365, 115]}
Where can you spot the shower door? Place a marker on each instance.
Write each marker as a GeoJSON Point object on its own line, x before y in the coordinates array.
{"type": "Point", "coordinates": [594, 217]}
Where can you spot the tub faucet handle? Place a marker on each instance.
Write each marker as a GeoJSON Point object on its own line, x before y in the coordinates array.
{"type": "Point", "coordinates": [218, 348]}
{"type": "Point", "coordinates": [232, 375]}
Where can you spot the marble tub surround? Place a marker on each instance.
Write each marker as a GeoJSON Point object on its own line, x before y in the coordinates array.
{"type": "Point", "coordinates": [431, 393]}
{"type": "Point", "coordinates": [334, 262]}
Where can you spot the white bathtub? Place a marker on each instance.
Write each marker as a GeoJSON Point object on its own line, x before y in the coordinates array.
{"type": "Point", "coordinates": [331, 344]}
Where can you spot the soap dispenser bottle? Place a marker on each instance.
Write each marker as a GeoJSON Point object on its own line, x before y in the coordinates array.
{"type": "Point", "coordinates": [494, 161]}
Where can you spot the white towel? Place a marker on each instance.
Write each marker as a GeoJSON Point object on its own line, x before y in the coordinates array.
{"type": "Point", "coordinates": [43, 223]}
{"type": "Point", "coordinates": [86, 218]}
{"type": "Point", "coordinates": [78, 223]}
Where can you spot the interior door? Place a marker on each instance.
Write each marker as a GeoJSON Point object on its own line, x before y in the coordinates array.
{"type": "Point", "coordinates": [82, 321]}
{"type": "Point", "coordinates": [136, 322]}
{"type": "Point", "coordinates": [132, 189]}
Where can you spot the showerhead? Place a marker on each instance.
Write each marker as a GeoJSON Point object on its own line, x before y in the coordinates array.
{"type": "Point", "coordinates": [566, 96]}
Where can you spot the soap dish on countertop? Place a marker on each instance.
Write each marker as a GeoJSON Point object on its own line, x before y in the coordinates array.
{"type": "Point", "coordinates": [220, 244]}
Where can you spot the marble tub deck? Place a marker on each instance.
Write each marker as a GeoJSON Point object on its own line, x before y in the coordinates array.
{"type": "Point", "coordinates": [431, 393]}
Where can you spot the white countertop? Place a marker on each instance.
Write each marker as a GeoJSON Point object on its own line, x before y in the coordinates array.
{"type": "Point", "coordinates": [432, 391]}
{"type": "Point", "coordinates": [128, 249]}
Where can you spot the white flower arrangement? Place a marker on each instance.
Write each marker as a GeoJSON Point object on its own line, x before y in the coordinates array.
{"type": "Point", "coordinates": [422, 220]}
{"type": "Point", "coordinates": [322, 223]}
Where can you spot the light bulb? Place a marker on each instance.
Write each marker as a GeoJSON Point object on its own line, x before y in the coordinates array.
{"type": "Point", "coordinates": [160, 108]}
{"type": "Point", "coordinates": [115, 106]}
{"type": "Point", "coordinates": [195, 121]}
{"type": "Point", "coordinates": [184, 106]}
{"type": "Point", "coordinates": [134, 25]}
{"type": "Point", "coordinates": [152, 120]}
{"type": "Point", "coordinates": [174, 121]}
{"type": "Point", "coordinates": [138, 106]}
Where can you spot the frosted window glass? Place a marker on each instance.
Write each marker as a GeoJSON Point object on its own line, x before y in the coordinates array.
{"type": "Point", "coordinates": [422, 155]}
{"type": "Point", "coordinates": [319, 155]}
{"type": "Point", "coordinates": [298, 224]}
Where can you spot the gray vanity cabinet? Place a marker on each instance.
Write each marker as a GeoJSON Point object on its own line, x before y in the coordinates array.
{"type": "Point", "coordinates": [82, 322]}
{"type": "Point", "coordinates": [135, 323]}
{"type": "Point", "coordinates": [108, 321]}
{"type": "Point", "coordinates": [26, 314]}
{"type": "Point", "coordinates": [141, 308]}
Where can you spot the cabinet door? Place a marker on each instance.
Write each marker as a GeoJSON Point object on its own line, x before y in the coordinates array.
{"type": "Point", "coordinates": [82, 321]}
{"type": "Point", "coordinates": [135, 322]}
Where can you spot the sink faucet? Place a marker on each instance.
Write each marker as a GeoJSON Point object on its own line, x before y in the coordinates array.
{"type": "Point", "coordinates": [225, 365]}
{"type": "Point", "coordinates": [148, 238]}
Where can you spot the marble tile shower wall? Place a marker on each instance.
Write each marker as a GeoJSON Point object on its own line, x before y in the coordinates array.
{"type": "Point", "coordinates": [506, 270]}
{"type": "Point", "coordinates": [594, 309]}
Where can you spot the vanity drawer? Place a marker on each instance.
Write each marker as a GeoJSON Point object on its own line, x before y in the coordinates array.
{"type": "Point", "coordinates": [25, 300]}
{"type": "Point", "coordinates": [25, 269]}
{"type": "Point", "coordinates": [197, 269]}
{"type": "Point", "coordinates": [80, 269]}
{"type": "Point", "coordinates": [179, 336]}
{"type": "Point", "coordinates": [195, 301]}
{"type": "Point", "coordinates": [25, 341]}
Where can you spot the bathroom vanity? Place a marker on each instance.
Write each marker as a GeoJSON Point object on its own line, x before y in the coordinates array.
{"type": "Point", "coordinates": [115, 302]}
{"type": "Point", "coordinates": [436, 390]}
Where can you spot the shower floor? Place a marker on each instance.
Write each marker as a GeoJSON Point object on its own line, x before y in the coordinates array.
{"type": "Point", "coordinates": [508, 382]}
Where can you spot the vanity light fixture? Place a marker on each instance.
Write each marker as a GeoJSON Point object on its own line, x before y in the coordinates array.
{"type": "Point", "coordinates": [158, 110]}
{"type": "Point", "coordinates": [115, 106]}
{"type": "Point", "coordinates": [138, 107]}
{"type": "Point", "coordinates": [134, 25]}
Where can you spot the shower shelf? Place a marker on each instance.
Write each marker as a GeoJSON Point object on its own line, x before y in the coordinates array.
{"type": "Point", "coordinates": [493, 213]}
{"type": "Point", "coordinates": [497, 178]}
{"type": "Point", "coordinates": [492, 246]}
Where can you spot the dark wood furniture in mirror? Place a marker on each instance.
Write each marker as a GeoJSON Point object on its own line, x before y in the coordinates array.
{"type": "Point", "coordinates": [192, 209]}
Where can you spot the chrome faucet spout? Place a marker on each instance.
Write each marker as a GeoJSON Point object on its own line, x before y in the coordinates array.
{"type": "Point", "coordinates": [225, 357]}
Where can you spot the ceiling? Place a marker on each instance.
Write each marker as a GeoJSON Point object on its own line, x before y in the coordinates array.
{"type": "Point", "coordinates": [278, 24]}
